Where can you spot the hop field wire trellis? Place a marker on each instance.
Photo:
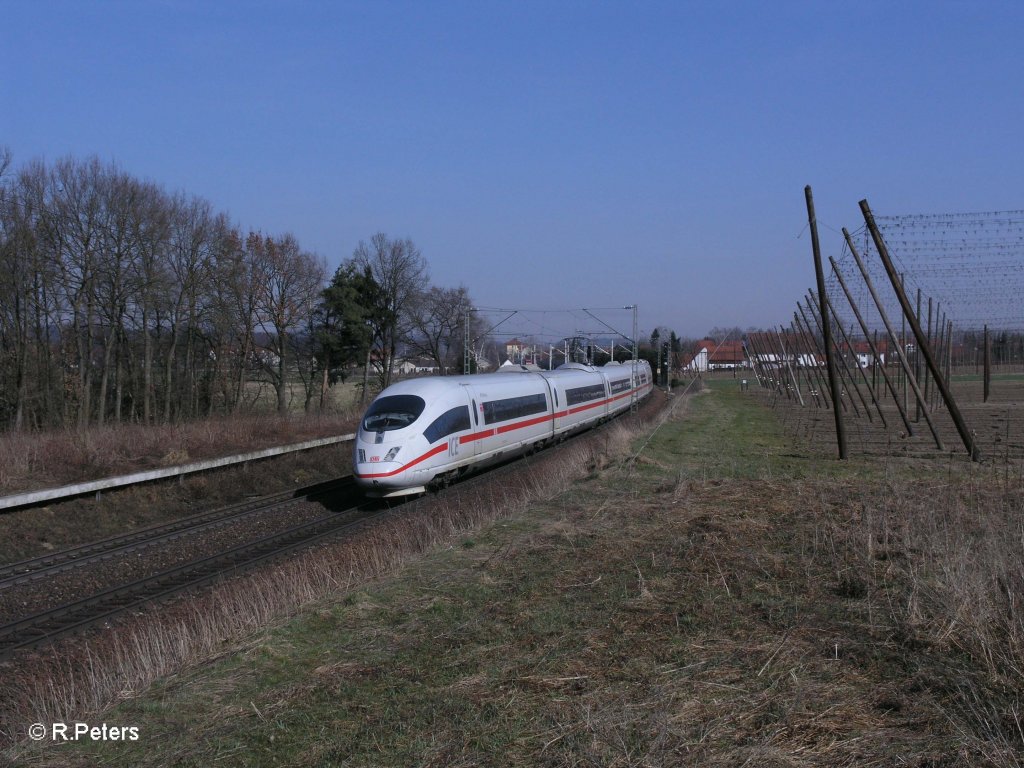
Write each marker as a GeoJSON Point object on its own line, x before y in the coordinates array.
{"type": "Point", "coordinates": [972, 264]}
{"type": "Point", "coordinates": [926, 335]}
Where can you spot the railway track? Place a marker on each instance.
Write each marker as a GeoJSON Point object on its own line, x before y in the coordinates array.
{"type": "Point", "coordinates": [50, 564]}
{"type": "Point", "coordinates": [351, 511]}
{"type": "Point", "coordinates": [52, 623]}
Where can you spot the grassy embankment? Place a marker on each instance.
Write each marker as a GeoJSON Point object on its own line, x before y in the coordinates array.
{"type": "Point", "coordinates": [721, 600]}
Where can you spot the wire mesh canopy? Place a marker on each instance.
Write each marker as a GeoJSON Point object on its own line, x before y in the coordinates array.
{"type": "Point", "coordinates": [971, 265]}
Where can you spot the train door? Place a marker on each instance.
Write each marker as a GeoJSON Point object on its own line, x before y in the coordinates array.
{"type": "Point", "coordinates": [557, 407]}
{"type": "Point", "coordinates": [468, 444]}
{"type": "Point", "coordinates": [553, 405]}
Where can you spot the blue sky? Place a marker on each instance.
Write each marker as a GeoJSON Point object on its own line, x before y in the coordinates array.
{"type": "Point", "coordinates": [543, 154]}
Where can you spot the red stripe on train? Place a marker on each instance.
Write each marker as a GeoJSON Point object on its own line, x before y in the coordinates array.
{"type": "Point", "coordinates": [432, 452]}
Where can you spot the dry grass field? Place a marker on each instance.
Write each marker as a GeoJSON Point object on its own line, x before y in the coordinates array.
{"type": "Point", "coordinates": [706, 592]}
{"type": "Point", "coordinates": [32, 460]}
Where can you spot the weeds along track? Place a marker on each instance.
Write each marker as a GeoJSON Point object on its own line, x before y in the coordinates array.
{"type": "Point", "coordinates": [101, 592]}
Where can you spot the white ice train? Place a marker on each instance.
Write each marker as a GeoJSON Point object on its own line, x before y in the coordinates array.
{"type": "Point", "coordinates": [427, 431]}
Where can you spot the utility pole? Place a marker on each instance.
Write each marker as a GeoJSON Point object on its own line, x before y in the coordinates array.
{"type": "Point", "coordinates": [466, 355]}
{"type": "Point", "coordinates": [634, 398]}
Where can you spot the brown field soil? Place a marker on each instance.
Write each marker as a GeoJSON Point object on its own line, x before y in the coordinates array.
{"type": "Point", "coordinates": [996, 426]}
{"type": "Point", "coordinates": [719, 595]}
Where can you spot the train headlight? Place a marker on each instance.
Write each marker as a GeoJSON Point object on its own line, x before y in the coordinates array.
{"type": "Point", "coordinates": [390, 455]}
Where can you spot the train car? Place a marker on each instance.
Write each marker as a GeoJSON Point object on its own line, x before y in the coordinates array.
{"type": "Point", "coordinates": [428, 431]}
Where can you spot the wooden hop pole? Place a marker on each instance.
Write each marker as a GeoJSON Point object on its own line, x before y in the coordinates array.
{"type": "Point", "coordinates": [922, 342]}
{"type": "Point", "coordinates": [826, 330]}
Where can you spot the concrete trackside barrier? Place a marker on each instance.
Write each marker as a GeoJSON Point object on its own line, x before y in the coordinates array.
{"type": "Point", "coordinates": [95, 486]}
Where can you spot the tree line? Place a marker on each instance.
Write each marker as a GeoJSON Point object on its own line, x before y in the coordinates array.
{"type": "Point", "coordinates": [121, 302]}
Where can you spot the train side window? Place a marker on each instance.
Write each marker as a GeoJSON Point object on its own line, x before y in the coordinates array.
{"type": "Point", "coordinates": [476, 415]}
{"type": "Point", "coordinates": [584, 394]}
{"type": "Point", "coordinates": [455, 420]}
{"type": "Point", "coordinates": [619, 385]}
{"type": "Point", "coordinates": [514, 408]}
{"type": "Point", "coordinates": [555, 391]}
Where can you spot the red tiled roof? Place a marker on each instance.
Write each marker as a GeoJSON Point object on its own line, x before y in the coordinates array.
{"type": "Point", "coordinates": [726, 352]}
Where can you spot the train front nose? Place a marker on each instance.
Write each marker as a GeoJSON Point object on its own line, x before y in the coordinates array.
{"type": "Point", "coordinates": [384, 444]}
{"type": "Point", "coordinates": [380, 468]}
{"type": "Point", "coordinates": [374, 460]}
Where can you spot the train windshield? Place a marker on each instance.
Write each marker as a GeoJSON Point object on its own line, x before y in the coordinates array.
{"type": "Point", "coordinates": [393, 412]}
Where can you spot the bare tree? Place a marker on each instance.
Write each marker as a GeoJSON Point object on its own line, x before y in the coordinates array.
{"type": "Point", "coordinates": [15, 286]}
{"type": "Point", "coordinates": [151, 222]}
{"type": "Point", "coordinates": [119, 301]}
{"type": "Point", "coordinates": [400, 271]}
{"type": "Point", "coordinates": [113, 286]}
{"type": "Point", "coordinates": [720, 335]}
{"type": "Point", "coordinates": [436, 330]}
{"type": "Point", "coordinates": [289, 286]}
{"type": "Point", "coordinates": [192, 243]}
{"type": "Point", "coordinates": [77, 220]}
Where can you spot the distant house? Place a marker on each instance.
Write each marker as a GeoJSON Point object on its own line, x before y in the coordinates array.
{"type": "Point", "coordinates": [862, 351]}
{"type": "Point", "coordinates": [518, 351]}
{"type": "Point", "coordinates": [415, 366]}
{"type": "Point", "coordinates": [514, 350]}
{"type": "Point", "coordinates": [774, 351]}
{"type": "Point", "coordinates": [709, 355]}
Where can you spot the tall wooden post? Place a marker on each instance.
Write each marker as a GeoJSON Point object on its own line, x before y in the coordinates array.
{"type": "Point", "coordinates": [917, 361]}
{"type": "Point", "coordinates": [922, 342]}
{"type": "Point", "coordinates": [801, 365]}
{"type": "Point", "coordinates": [819, 353]}
{"type": "Point", "coordinates": [810, 346]}
{"type": "Point", "coordinates": [874, 344]}
{"type": "Point", "coordinates": [755, 363]}
{"type": "Point", "coordinates": [856, 364]}
{"type": "Point", "coordinates": [792, 376]}
{"type": "Point", "coordinates": [949, 354]}
{"type": "Point", "coordinates": [878, 362]}
{"type": "Point", "coordinates": [901, 354]}
{"type": "Point", "coordinates": [931, 340]}
{"type": "Point", "coordinates": [988, 365]}
{"type": "Point", "coordinates": [845, 369]}
{"type": "Point", "coordinates": [941, 321]}
{"type": "Point", "coordinates": [826, 330]}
